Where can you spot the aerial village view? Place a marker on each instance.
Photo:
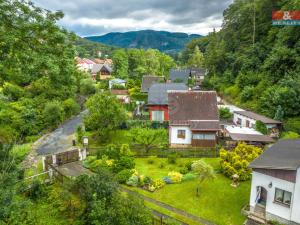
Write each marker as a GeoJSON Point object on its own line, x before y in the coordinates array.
{"type": "Point", "coordinates": [153, 112]}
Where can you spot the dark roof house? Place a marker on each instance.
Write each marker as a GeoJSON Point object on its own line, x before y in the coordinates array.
{"type": "Point", "coordinates": [158, 93]}
{"type": "Point", "coordinates": [148, 80]}
{"type": "Point", "coordinates": [284, 155]}
{"type": "Point", "coordinates": [180, 75]}
{"type": "Point", "coordinates": [256, 116]}
{"type": "Point", "coordinates": [198, 109]}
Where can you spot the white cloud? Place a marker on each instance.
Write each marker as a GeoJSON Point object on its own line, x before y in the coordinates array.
{"type": "Point", "coordinates": [101, 16]}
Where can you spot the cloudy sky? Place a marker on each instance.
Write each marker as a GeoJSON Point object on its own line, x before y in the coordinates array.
{"type": "Point", "coordinates": [96, 17]}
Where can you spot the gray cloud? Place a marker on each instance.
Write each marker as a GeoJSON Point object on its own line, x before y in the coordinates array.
{"type": "Point", "coordinates": [101, 16]}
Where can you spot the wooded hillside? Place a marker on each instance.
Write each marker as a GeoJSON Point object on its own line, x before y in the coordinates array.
{"type": "Point", "coordinates": [37, 71]}
{"type": "Point", "coordinates": [252, 63]}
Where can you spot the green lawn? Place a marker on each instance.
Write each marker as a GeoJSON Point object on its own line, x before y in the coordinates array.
{"type": "Point", "coordinates": [218, 201]}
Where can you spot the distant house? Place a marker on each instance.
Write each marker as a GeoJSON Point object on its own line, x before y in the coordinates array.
{"type": "Point", "coordinates": [116, 81]}
{"type": "Point", "coordinates": [180, 75]}
{"type": "Point", "coordinates": [194, 119]}
{"type": "Point", "coordinates": [148, 80]}
{"type": "Point", "coordinates": [234, 134]}
{"type": "Point", "coordinates": [198, 74]}
{"type": "Point", "coordinates": [103, 61]}
{"type": "Point", "coordinates": [122, 95]}
{"type": "Point", "coordinates": [248, 119]}
{"type": "Point", "coordinates": [84, 64]}
{"type": "Point", "coordinates": [158, 99]}
{"type": "Point", "coordinates": [102, 70]}
{"type": "Point", "coordinates": [275, 188]}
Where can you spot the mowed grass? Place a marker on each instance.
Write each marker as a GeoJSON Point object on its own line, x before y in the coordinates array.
{"type": "Point", "coordinates": [218, 201]}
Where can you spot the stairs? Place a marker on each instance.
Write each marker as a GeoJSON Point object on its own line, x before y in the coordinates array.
{"type": "Point", "coordinates": [258, 217]}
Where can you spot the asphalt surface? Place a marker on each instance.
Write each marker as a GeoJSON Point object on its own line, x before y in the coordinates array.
{"type": "Point", "coordinates": [60, 140]}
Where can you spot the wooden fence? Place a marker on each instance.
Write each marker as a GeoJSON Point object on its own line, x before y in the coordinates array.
{"type": "Point", "coordinates": [163, 153]}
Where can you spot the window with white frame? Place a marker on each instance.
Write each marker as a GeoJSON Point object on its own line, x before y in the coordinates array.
{"type": "Point", "coordinates": [284, 197]}
{"type": "Point", "coordinates": [181, 134]}
{"type": "Point", "coordinates": [204, 136]}
{"type": "Point", "coordinates": [158, 115]}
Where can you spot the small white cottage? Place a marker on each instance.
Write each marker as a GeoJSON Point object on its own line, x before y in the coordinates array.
{"type": "Point", "coordinates": [275, 188]}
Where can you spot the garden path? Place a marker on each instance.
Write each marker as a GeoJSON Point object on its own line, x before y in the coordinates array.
{"type": "Point", "coordinates": [170, 208]}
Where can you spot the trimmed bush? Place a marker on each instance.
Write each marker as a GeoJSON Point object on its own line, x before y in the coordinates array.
{"type": "Point", "coordinates": [133, 181]}
{"type": "Point", "coordinates": [184, 170]}
{"type": "Point", "coordinates": [175, 176]}
{"type": "Point", "coordinates": [188, 165]}
{"type": "Point", "coordinates": [124, 175]}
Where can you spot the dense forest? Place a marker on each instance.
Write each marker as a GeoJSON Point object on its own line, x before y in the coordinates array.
{"type": "Point", "coordinates": [89, 49]}
{"type": "Point", "coordinates": [164, 41]}
{"type": "Point", "coordinates": [252, 63]}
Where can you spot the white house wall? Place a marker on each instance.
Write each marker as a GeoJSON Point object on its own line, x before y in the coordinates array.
{"type": "Point", "coordinates": [296, 200]}
{"type": "Point", "coordinates": [173, 135]}
{"type": "Point", "coordinates": [263, 180]}
{"type": "Point", "coordinates": [252, 121]}
{"type": "Point", "coordinates": [243, 118]}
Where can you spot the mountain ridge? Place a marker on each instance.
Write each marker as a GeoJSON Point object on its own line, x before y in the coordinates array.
{"type": "Point", "coordinates": [164, 41]}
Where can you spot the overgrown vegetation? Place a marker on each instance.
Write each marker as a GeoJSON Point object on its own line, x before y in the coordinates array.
{"type": "Point", "coordinates": [254, 65]}
{"type": "Point", "coordinates": [38, 82]}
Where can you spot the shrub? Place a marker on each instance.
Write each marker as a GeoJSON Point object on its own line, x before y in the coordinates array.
{"type": "Point", "coordinates": [184, 170]}
{"type": "Point", "coordinates": [124, 175]}
{"type": "Point", "coordinates": [172, 158]}
{"type": "Point", "coordinates": [225, 113]}
{"type": "Point", "coordinates": [292, 124]}
{"type": "Point", "coordinates": [189, 176]}
{"type": "Point", "coordinates": [162, 165]}
{"type": "Point", "coordinates": [167, 180]}
{"type": "Point", "coordinates": [71, 107]}
{"type": "Point", "coordinates": [36, 190]}
{"type": "Point", "coordinates": [261, 127]}
{"type": "Point", "coordinates": [125, 162]}
{"type": "Point", "coordinates": [175, 176]}
{"type": "Point", "coordinates": [188, 165]}
{"type": "Point", "coordinates": [151, 159]}
{"type": "Point", "coordinates": [53, 113]}
{"type": "Point", "coordinates": [290, 135]}
{"type": "Point", "coordinates": [147, 180]}
{"type": "Point", "coordinates": [87, 86]}
{"type": "Point", "coordinates": [159, 183]}
{"type": "Point", "coordinates": [237, 160]}
{"type": "Point", "coordinates": [133, 181]}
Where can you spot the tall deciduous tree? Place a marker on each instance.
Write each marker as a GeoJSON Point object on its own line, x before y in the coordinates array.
{"type": "Point", "coordinates": [148, 138]}
{"type": "Point", "coordinates": [120, 66]}
{"type": "Point", "coordinates": [105, 114]}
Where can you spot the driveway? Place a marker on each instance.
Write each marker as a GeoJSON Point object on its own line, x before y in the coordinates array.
{"type": "Point", "coordinates": [73, 169]}
{"type": "Point", "coordinates": [59, 140]}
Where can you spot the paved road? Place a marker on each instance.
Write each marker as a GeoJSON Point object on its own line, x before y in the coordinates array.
{"type": "Point", "coordinates": [60, 140]}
